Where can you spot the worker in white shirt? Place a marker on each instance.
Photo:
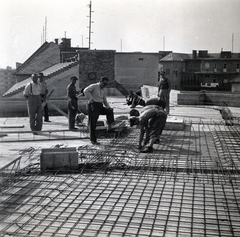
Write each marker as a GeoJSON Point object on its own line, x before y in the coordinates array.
{"type": "Point", "coordinates": [98, 105]}
{"type": "Point", "coordinates": [32, 93]}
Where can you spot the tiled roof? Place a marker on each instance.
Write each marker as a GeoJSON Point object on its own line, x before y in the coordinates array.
{"type": "Point", "coordinates": [38, 51]}
{"type": "Point", "coordinates": [49, 72]}
{"type": "Point", "coordinates": [175, 57]}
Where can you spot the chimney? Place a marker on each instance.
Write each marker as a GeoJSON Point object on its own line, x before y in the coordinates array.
{"type": "Point", "coordinates": [18, 65]}
{"type": "Point", "coordinates": [194, 54]}
{"type": "Point", "coordinates": [66, 43]}
{"type": "Point", "coordinates": [226, 54]}
{"type": "Point", "coordinates": [56, 41]}
{"type": "Point", "coordinates": [203, 53]}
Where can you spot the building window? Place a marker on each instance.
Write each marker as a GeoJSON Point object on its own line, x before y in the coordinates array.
{"type": "Point", "coordinates": [224, 67]}
{"type": "Point", "coordinates": [238, 66]}
{"type": "Point", "coordinates": [207, 65]}
{"type": "Point", "coordinates": [175, 72]}
{"type": "Point", "coordinates": [141, 59]}
{"type": "Point", "coordinates": [167, 71]}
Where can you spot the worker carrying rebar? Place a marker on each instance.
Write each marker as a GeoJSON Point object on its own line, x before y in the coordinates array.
{"type": "Point", "coordinates": [151, 122]}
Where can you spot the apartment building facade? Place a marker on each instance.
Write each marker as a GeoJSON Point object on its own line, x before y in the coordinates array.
{"type": "Point", "coordinates": [210, 71]}
{"type": "Point", "coordinates": [7, 79]}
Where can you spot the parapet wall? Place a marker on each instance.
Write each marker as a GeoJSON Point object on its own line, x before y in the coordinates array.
{"type": "Point", "coordinates": [208, 98]}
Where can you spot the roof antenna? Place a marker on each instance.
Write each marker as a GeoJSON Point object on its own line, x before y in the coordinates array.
{"type": "Point", "coordinates": [90, 24]}
{"type": "Point", "coordinates": [163, 43]}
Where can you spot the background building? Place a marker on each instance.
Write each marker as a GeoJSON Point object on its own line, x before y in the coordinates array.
{"type": "Point", "coordinates": [7, 79]}
{"type": "Point", "coordinates": [210, 71]}
{"type": "Point", "coordinates": [126, 71]}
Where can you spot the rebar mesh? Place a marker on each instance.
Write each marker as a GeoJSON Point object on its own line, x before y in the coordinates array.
{"type": "Point", "coordinates": [189, 186]}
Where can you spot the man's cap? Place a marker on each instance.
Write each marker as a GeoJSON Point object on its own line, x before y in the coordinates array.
{"type": "Point", "coordinates": [73, 78]}
{"type": "Point", "coordinates": [34, 75]}
{"type": "Point", "coordinates": [40, 74]}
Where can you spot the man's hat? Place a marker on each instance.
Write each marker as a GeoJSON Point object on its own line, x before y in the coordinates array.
{"type": "Point", "coordinates": [40, 74]}
{"type": "Point", "coordinates": [34, 75]}
{"type": "Point", "coordinates": [73, 78]}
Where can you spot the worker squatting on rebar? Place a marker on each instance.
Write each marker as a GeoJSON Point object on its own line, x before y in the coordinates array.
{"type": "Point", "coordinates": [98, 105]}
{"type": "Point", "coordinates": [151, 122]}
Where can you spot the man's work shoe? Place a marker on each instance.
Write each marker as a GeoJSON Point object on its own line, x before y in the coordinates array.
{"type": "Point", "coordinates": [147, 150]}
{"type": "Point", "coordinates": [157, 141]}
{"type": "Point", "coordinates": [47, 121]}
{"type": "Point", "coordinates": [95, 143]}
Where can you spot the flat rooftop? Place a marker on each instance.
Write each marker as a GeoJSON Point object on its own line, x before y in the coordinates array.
{"type": "Point", "coordinates": [189, 185]}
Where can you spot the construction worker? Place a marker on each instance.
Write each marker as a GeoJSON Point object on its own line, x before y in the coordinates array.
{"type": "Point", "coordinates": [98, 105]}
{"type": "Point", "coordinates": [32, 93]}
{"type": "Point", "coordinates": [44, 93]}
{"type": "Point", "coordinates": [135, 99]}
{"type": "Point", "coordinates": [72, 103]}
{"type": "Point", "coordinates": [151, 122]}
{"type": "Point", "coordinates": [164, 89]}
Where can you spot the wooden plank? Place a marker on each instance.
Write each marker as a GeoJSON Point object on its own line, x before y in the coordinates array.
{"type": "Point", "coordinates": [3, 134]}
{"type": "Point", "coordinates": [58, 109]}
{"type": "Point", "coordinates": [81, 129]}
{"type": "Point", "coordinates": [48, 96]}
{"type": "Point", "coordinates": [12, 126]}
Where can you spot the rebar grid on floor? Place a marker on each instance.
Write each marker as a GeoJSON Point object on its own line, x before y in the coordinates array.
{"type": "Point", "coordinates": [189, 186]}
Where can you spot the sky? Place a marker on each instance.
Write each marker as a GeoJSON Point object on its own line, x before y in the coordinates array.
{"type": "Point", "coordinates": [122, 25]}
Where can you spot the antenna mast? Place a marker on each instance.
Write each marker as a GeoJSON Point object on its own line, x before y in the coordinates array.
{"type": "Point", "coordinates": [90, 24]}
{"type": "Point", "coordinates": [44, 33]}
{"type": "Point", "coordinates": [163, 43]}
{"type": "Point", "coordinates": [45, 29]}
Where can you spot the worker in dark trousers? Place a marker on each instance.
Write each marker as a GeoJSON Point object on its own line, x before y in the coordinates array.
{"type": "Point", "coordinates": [44, 93]}
{"type": "Point", "coordinates": [34, 104]}
{"type": "Point", "coordinates": [98, 105]}
{"type": "Point", "coordinates": [164, 89]}
{"type": "Point", "coordinates": [151, 122]}
{"type": "Point", "coordinates": [72, 103]}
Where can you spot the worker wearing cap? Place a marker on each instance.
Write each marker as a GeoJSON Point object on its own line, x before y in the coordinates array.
{"type": "Point", "coordinates": [44, 92]}
{"type": "Point", "coordinates": [32, 93]}
{"type": "Point", "coordinates": [72, 103]}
